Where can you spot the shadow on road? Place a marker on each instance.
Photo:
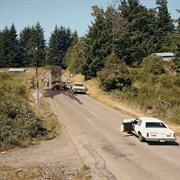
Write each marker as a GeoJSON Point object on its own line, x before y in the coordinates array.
{"type": "Point", "coordinates": [72, 96]}
{"type": "Point", "coordinates": [152, 143]}
{"type": "Point", "coordinates": [48, 92]}
{"type": "Point", "coordinates": [163, 143]}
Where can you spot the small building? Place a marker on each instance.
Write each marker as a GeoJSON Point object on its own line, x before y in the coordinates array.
{"type": "Point", "coordinates": [16, 70]}
{"type": "Point", "coordinates": [167, 56]}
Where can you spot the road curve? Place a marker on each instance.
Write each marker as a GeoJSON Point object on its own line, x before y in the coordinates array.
{"type": "Point", "coordinates": [95, 131]}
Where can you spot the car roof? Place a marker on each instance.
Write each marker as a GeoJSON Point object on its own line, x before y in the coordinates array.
{"type": "Point", "coordinates": [77, 83]}
{"type": "Point", "coordinates": [149, 119]}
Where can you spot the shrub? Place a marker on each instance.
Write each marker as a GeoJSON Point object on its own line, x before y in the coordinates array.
{"type": "Point", "coordinates": [176, 64]}
{"type": "Point", "coordinates": [17, 121]}
{"type": "Point", "coordinates": [153, 64]}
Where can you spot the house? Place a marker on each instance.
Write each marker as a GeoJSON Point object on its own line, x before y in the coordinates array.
{"type": "Point", "coordinates": [167, 56]}
{"type": "Point", "coordinates": [16, 70]}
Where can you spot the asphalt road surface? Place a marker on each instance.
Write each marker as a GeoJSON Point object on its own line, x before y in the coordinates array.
{"type": "Point", "coordinates": [95, 131]}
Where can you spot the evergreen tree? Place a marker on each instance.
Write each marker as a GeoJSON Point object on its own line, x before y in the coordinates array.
{"type": "Point", "coordinates": [115, 74]}
{"type": "Point", "coordinates": [12, 53]}
{"type": "Point", "coordinates": [27, 47]}
{"type": "Point", "coordinates": [98, 43]}
{"type": "Point", "coordinates": [178, 21]}
{"type": "Point", "coordinates": [32, 44]}
{"type": "Point", "coordinates": [129, 9]}
{"type": "Point", "coordinates": [59, 43]}
{"type": "Point", "coordinates": [139, 39]}
{"type": "Point", "coordinates": [165, 26]}
{"type": "Point", "coordinates": [2, 60]}
{"type": "Point", "coordinates": [40, 44]}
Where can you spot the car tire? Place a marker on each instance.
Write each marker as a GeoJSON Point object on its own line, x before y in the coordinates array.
{"type": "Point", "coordinates": [141, 139]}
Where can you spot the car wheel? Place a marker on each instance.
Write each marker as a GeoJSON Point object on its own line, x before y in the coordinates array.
{"type": "Point", "coordinates": [141, 139]}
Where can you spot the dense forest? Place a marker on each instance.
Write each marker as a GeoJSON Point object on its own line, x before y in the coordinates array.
{"type": "Point", "coordinates": [116, 49]}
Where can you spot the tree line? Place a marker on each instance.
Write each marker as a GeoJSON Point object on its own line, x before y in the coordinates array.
{"type": "Point", "coordinates": [128, 29]}
{"type": "Point", "coordinates": [30, 48]}
{"type": "Point", "coordinates": [116, 49]}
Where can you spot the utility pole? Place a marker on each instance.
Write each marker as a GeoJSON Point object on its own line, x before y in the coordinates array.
{"type": "Point", "coordinates": [37, 83]}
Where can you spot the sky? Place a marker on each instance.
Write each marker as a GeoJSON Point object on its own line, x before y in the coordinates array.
{"type": "Point", "coordinates": [73, 14]}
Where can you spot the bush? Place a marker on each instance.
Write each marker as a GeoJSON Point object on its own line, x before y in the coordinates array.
{"type": "Point", "coordinates": [115, 74]}
{"type": "Point", "coordinates": [17, 121]}
{"type": "Point", "coordinates": [18, 124]}
{"type": "Point", "coordinates": [153, 64]}
{"type": "Point", "coordinates": [176, 64]}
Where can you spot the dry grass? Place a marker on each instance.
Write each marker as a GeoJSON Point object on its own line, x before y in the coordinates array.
{"type": "Point", "coordinates": [45, 113]}
{"type": "Point", "coordinates": [95, 92]}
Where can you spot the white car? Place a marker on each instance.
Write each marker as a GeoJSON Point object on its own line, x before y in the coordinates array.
{"type": "Point", "coordinates": [78, 87]}
{"type": "Point", "coordinates": [149, 129]}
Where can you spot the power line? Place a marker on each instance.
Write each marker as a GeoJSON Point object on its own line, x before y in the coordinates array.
{"type": "Point", "coordinates": [16, 12]}
{"type": "Point", "coordinates": [3, 19]}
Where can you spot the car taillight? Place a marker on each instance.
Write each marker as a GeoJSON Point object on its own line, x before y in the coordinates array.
{"type": "Point", "coordinates": [174, 135]}
{"type": "Point", "coordinates": [147, 134]}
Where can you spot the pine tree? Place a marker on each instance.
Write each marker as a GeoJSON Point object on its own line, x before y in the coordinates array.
{"type": "Point", "coordinates": [32, 44]}
{"type": "Point", "coordinates": [2, 58]}
{"type": "Point", "coordinates": [59, 43]}
{"type": "Point", "coordinates": [138, 38]}
{"type": "Point", "coordinates": [26, 47]}
{"type": "Point", "coordinates": [12, 54]}
{"type": "Point", "coordinates": [98, 42]}
{"type": "Point", "coordinates": [40, 44]}
{"type": "Point", "coordinates": [165, 26]}
{"type": "Point", "coordinates": [129, 9]}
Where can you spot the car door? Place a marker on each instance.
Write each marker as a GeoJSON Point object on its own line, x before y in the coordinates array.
{"type": "Point", "coordinates": [137, 126]}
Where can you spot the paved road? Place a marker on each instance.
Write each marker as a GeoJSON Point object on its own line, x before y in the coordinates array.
{"type": "Point", "coordinates": [95, 131]}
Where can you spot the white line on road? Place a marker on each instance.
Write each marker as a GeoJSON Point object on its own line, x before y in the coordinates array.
{"type": "Point", "coordinates": [75, 101]}
{"type": "Point", "coordinates": [92, 113]}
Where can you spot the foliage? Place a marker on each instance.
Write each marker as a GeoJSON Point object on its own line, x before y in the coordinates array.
{"type": "Point", "coordinates": [59, 43]}
{"type": "Point", "coordinates": [114, 75]}
{"type": "Point", "coordinates": [83, 173]}
{"type": "Point", "coordinates": [116, 48]}
{"type": "Point", "coordinates": [155, 93]}
{"type": "Point", "coordinates": [165, 26]}
{"type": "Point", "coordinates": [134, 44]}
{"type": "Point", "coordinates": [18, 122]}
{"type": "Point", "coordinates": [153, 64]}
{"type": "Point", "coordinates": [176, 64]}
{"type": "Point", "coordinates": [74, 57]}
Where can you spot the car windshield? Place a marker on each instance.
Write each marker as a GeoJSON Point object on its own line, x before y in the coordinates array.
{"type": "Point", "coordinates": [155, 125]}
{"type": "Point", "coordinates": [78, 84]}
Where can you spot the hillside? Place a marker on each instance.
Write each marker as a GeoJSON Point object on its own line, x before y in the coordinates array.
{"type": "Point", "coordinates": [113, 101]}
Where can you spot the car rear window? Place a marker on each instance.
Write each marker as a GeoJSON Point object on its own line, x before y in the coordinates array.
{"type": "Point", "coordinates": [155, 125]}
{"type": "Point", "coordinates": [78, 84]}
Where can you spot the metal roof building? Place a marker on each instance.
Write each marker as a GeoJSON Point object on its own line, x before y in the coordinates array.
{"type": "Point", "coordinates": [16, 70]}
{"type": "Point", "coordinates": [165, 55]}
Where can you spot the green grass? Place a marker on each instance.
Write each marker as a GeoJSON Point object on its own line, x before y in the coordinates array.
{"type": "Point", "coordinates": [19, 122]}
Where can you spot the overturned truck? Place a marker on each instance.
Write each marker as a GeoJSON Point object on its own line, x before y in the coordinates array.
{"type": "Point", "coordinates": [56, 79]}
